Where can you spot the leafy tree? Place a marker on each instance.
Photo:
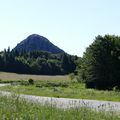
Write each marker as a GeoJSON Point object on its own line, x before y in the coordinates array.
{"type": "Point", "coordinates": [100, 67]}
{"type": "Point", "coordinates": [68, 63]}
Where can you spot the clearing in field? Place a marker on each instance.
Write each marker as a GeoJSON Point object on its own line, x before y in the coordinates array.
{"type": "Point", "coordinates": [5, 76]}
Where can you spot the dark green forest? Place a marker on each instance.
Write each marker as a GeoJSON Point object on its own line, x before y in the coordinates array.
{"type": "Point", "coordinates": [37, 62]}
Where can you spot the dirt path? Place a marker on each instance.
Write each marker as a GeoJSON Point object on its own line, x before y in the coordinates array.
{"type": "Point", "coordinates": [68, 103]}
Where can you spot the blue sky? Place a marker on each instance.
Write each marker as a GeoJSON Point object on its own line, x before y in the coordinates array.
{"type": "Point", "coordinates": [70, 24]}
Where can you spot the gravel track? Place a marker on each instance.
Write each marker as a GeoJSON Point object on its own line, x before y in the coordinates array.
{"type": "Point", "coordinates": [68, 103]}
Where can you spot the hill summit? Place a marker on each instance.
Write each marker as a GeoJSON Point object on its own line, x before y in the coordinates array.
{"type": "Point", "coordinates": [36, 42]}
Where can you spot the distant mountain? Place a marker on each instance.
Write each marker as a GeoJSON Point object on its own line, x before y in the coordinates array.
{"type": "Point", "coordinates": [37, 42]}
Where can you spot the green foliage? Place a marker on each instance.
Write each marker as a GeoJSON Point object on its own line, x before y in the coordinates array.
{"type": "Point", "coordinates": [72, 76]}
{"type": "Point", "coordinates": [100, 67]}
{"type": "Point", "coordinates": [68, 63]}
{"type": "Point", "coordinates": [31, 81]}
{"type": "Point", "coordinates": [24, 83]}
{"type": "Point", "coordinates": [52, 84]}
{"type": "Point", "coordinates": [36, 62]}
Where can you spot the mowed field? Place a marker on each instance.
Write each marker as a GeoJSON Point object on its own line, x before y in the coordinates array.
{"type": "Point", "coordinates": [5, 76]}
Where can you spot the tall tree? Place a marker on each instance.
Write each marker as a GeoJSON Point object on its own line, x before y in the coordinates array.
{"type": "Point", "coordinates": [100, 66]}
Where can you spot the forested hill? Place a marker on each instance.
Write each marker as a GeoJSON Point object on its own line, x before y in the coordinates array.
{"type": "Point", "coordinates": [37, 62]}
{"type": "Point", "coordinates": [37, 42]}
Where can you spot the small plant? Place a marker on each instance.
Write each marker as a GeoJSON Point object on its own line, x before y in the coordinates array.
{"type": "Point", "coordinates": [72, 76]}
{"type": "Point", "coordinates": [116, 89]}
{"type": "Point", "coordinates": [22, 82]}
{"type": "Point", "coordinates": [79, 80]}
{"type": "Point", "coordinates": [31, 81]}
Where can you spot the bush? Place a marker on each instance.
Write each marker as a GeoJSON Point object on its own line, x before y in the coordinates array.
{"type": "Point", "coordinates": [31, 81]}
{"type": "Point", "coordinates": [72, 76]}
{"type": "Point", "coordinates": [24, 83]}
{"type": "Point", "coordinates": [52, 84]}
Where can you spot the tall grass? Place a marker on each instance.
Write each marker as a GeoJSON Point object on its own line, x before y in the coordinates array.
{"type": "Point", "coordinates": [13, 108]}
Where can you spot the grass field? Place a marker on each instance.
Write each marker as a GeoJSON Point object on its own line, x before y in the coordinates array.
{"type": "Point", "coordinates": [55, 86]}
{"type": "Point", "coordinates": [12, 108]}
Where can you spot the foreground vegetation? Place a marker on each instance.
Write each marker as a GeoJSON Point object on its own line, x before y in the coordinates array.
{"type": "Point", "coordinates": [12, 108]}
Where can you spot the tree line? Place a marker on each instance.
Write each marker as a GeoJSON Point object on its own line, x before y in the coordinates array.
{"type": "Point", "coordinates": [37, 62]}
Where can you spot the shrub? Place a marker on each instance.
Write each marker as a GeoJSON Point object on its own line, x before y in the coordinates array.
{"type": "Point", "coordinates": [72, 76]}
{"type": "Point", "coordinates": [24, 83]}
{"type": "Point", "coordinates": [31, 81]}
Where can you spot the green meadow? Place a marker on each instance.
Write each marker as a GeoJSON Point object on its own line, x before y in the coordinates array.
{"type": "Point", "coordinates": [54, 86]}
